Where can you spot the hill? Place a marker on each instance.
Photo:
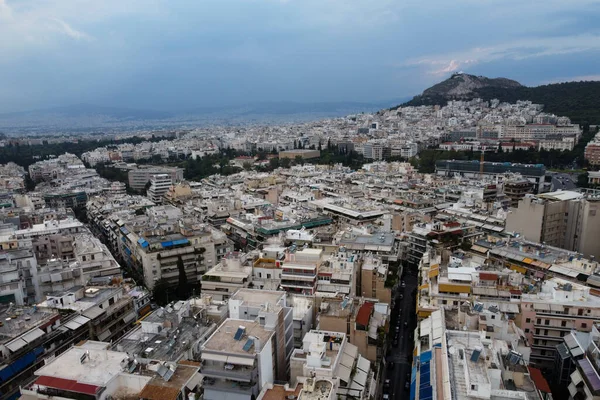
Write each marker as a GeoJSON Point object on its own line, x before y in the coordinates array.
{"type": "Point", "coordinates": [576, 100]}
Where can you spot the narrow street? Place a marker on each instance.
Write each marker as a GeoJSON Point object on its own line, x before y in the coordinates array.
{"type": "Point", "coordinates": [402, 325]}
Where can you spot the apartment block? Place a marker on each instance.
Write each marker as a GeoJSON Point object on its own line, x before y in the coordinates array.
{"type": "Point", "coordinates": [140, 176]}
{"type": "Point", "coordinates": [272, 312]}
{"type": "Point", "coordinates": [238, 360]}
{"type": "Point", "coordinates": [363, 320]}
{"type": "Point", "coordinates": [225, 278]}
{"type": "Point", "coordinates": [159, 187]}
{"type": "Point", "coordinates": [328, 365]}
{"type": "Point", "coordinates": [564, 219]}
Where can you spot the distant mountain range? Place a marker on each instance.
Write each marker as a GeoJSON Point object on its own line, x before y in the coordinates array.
{"type": "Point", "coordinates": [580, 101]}
{"type": "Point", "coordinates": [87, 116]}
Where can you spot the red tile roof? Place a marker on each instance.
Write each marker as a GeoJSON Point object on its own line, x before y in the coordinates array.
{"type": "Point", "coordinates": [68, 385]}
{"type": "Point", "coordinates": [364, 313]}
{"type": "Point", "coordinates": [539, 380]}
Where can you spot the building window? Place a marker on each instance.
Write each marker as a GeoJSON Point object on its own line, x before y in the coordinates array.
{"type": "Point", "coordinates": [563, 323]}
{"type": "Point", "coordinates": [111, 301]}
{"type": "Point", "coordinates": [547, 322]}
{"type": "Point", "coordinates": [528, 320]}
{"type": "Point", "coordinates": [584, 325]}
{"type": "Point", "coordinates": [526, 330]}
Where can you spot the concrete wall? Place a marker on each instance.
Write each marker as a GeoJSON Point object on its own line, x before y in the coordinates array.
{"type": "Point", "coordinates": [527, 219]}
{"type": "Point", "coordinates": [589, 243]}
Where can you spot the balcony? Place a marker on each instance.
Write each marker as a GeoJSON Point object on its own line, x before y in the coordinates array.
{"type": "Point", "coordinates": [214, 388]}
{"type": "Point", "coordinates": [298, 284]}
{"type": "Point", "coordinates": [298, 276]}
{"type": "Point", "coordinates": [236, 373]}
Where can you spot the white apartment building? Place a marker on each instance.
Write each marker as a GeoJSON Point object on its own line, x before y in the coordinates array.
{"type": "Point", "coordinates": [271, 311]}
{"type": "Point", "coordinates": [238, 360]}
{"type": "Point", "coordinates": [159, 186]}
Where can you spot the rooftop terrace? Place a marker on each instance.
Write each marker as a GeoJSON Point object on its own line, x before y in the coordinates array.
{"type": "Point", "coordinates": [224, 339]}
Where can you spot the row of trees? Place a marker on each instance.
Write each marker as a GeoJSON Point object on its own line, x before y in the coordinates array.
{"type": "Point", "coordinates": [25, 155]}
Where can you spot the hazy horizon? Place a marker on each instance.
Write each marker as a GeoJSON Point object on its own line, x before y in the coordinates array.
{"type": "Point", "coordinates": [174, 55]}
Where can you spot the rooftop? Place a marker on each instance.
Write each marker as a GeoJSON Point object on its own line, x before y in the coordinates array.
{"type": "Point", "coordinates": [97, 368]}
{"type": "Point", "coordinates": [224, 339]}
{"type": "Point", "coordinates": [160, 388]}
{"type": "Point", "coordinates": [18, 320]}
{"type": "Point", "coordinates": [279, 392]}
{"type": "Point", "coordinates": [258, 297]}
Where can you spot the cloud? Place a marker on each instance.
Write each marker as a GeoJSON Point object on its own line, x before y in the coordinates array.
{"type": "Point", "coordinates": [70, 31]}
{"type": "Point", "coordinates": [516, 50]}
{"type": "Point", "coordinates": [5, 11]}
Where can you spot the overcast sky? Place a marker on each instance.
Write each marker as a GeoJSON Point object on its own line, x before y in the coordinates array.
{"type": "Point", "coordinates": [175, 54]}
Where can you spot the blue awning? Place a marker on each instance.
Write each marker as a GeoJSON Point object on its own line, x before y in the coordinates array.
{"type": "Point", "coordinates": [124, 230]}
{"type": "Point", "coordinates": [127, 251]}
{"type": "Point", "coordinates": [180, 241]}
{"type": "Point", "coordinates": [142, 242]}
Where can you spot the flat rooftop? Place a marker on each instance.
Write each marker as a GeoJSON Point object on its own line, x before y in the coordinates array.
{"type": "Point", "coordinates": [18, 320]}
{"type": "Point", "coordinates": [160, 389]}
{"type": "Point", "coordinates": [258, 297]}
{"type": "Point", "coordinates": [223, 339]}
{"type": "Point", "coordinates": [98, 368]}
{"type": "Point", "coordinates": [278, 392]}
{"type": "Point", "coordinates": [171, 346]}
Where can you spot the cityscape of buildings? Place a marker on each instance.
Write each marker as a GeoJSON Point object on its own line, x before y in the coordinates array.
{"type": "Point", "coordinates": [308, 281]}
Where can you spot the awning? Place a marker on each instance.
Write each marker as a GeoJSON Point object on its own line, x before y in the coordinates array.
{"type": "Point", "coordinates": [194, 381]}
{"type": "Point", "coordinates": [351, 350]}
{"type": "Point", "coordinates": [363, 364]}
{"type": "Point", "coordinates": [16, 344]}
{"type": "Point", "coordinates": [360, 377]}
{"type": "Point", "coordinates": [93, 312]}
{"type": "Point", "coordinates": [214, 357]}
{"type": "Point", "coordinates": [67, 385]}
{"type": "Point", "coordinates": [32, 335]}
{"type": "Point", "coordinates": [240, 360]}
{"type": "Point", "coordinates": [77, 322]}
{"type": "Point", "coordinates": [104, 335]}
{"type": "Point", "coordinates": [344, 373]}
{"type": "Point", "coordinates": [129, 317]}
{"type": "Point", "coordinates": [347, 360]}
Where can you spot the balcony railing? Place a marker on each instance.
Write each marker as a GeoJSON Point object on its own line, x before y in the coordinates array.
{"type": "Point", "coordinates": [238, 374]}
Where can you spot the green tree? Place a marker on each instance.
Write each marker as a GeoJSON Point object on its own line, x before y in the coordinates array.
{"type": "Point", "coordinates": [247, 166]}
{"type": "Point", "coordinates": [299, 160]}
{"type": "Point", "coordinates": [160, 292]}
{"type": "Point", "coordinates": [274, 163]}
{"type": "Point", "coordinates": [285, 162]}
